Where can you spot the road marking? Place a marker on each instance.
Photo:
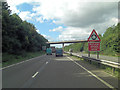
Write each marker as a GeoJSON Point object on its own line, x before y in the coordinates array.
{"type": "Point", "coordinates": [35, 74]}
{"type": "Point", "coordinates": [40, 69]}
{"type": "Point", "coordinates": [20, 62]}
{"type": "Point", "coordinates": [13, 65]}
{"type": "Point", "coordinates": [107, 84]}
{"type": "Point", "coordinates": [46, 62]}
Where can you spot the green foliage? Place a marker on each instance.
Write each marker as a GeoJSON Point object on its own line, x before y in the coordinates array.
{"type": "Point", "coordinates": [110, 42]}
{"type": "Point", "coordinates": [77, 47]}
{"type": "Point", "coordinates": [9, 59]}
{"type": "Point", "coordinates": [19, 36]}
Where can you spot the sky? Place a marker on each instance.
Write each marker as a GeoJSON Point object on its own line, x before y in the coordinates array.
{"type": "Point", "coordinates": [63, 20]}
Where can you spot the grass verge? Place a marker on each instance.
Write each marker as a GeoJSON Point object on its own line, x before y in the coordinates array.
{"type": "Point", "coordinates": [106, 68]}
{"type": "Point", "coordinates": [95, 53]}
{"type": "Point", "coordinates": [10, 59]}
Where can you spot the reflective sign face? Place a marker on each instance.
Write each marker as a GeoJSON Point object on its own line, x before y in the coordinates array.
{"type": "Point", "coordinates": [93, 37]}
{"type": "Point", "coordinates": [94, 46]}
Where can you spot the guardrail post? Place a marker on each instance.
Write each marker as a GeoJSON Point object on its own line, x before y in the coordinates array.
{"type": "Point", "coordinates": [98, 64]}
{"type": "Point", "coordinates": [97, 55]}
{"type": "Point", "coordinates": [113, 70]}
{"type": "Point", "coordinates": [84, 59]}
{"type": "Point", "coordinates": [90, 61]}
{"type": "Point", "coordinates": [88, 53]}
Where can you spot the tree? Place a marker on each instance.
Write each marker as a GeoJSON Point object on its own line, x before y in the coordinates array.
{"type": "Point", "coordinates": [110, 42]}
{"type": "Point", "coordinates": [19, 36]}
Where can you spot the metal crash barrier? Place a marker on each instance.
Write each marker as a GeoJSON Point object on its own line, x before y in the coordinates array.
{"type": "Point", "coordinates": [99, 61]}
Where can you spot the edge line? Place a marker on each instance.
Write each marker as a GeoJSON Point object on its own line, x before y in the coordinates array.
{"type": "Point", "coordinates": [19, 62]}
{"type": "Point", "coordinates": [107, 84]}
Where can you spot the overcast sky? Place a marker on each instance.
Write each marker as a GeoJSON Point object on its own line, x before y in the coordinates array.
{"type": "Point", "coordinates": [59, 20]}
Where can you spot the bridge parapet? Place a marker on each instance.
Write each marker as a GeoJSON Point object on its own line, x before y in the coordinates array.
{"type": "Point", "coordinates": [62, 42]}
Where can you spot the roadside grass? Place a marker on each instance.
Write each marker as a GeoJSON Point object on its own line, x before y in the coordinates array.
{"type": "Point", "coordinates": [0, 65]}
{"type": "Point", "coordinates": [106, 68]}
{"type": "Point", "coordinates": [12, 59]}
{"type": "Point", "coordinates": [0, 60]}
{"type": "Point", "coordinates": [94, 53]}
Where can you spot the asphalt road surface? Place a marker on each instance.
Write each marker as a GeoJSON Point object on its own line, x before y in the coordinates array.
{"type": "Point", "coordinates": [48, 71]}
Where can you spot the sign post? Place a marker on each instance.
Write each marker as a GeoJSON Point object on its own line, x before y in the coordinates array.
{"type": "Point", "coordinates": [88, 53]}
{"type": "Point", "coordinates": [97, 55]}
{"type": "Point", "coordinates": [94, 43]}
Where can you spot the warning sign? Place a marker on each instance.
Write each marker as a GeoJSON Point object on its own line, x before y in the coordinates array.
{"type": "Point", "coordinates": [93, 37]}
{"type": "Point", "coordinates": [94, 46]}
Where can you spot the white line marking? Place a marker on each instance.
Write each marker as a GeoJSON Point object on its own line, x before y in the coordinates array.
{"type": "Point", "coordinates": [107, 84]}
{"type": "Point", "coordinates": [46, 62]}
{"type": "Point", "coordinates": [19, 63]}
{"type": "Point", "coordinates": [35, 74]}
{"type": "Point", "coordinates": [14, 64]}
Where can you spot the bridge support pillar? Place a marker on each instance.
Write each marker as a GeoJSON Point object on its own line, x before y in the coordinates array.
{"type": "Point", "coordinates": [63, 46]}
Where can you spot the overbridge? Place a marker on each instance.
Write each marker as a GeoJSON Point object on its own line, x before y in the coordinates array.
{"type": "Point", "coordinates": [63, 42]}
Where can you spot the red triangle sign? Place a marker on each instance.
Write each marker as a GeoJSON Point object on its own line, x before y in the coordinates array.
{"type": "Point", "coordinates": [93, 37]}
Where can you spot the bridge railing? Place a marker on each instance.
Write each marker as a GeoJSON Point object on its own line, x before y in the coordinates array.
{"type": "Point", "coordinates": [99, 61]}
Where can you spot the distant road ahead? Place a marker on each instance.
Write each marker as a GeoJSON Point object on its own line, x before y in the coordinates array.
{"type": "Point", "coordinates": [48, 71]}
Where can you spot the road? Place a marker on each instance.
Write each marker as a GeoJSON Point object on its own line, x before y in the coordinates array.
{"type": "Point", "coordinates": [48, 71]}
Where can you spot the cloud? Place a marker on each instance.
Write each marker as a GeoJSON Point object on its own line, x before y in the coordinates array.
{"type": "Point", "coordinates": [71, 13]}
{"type": "Point", "coordinates": [60, 28]}
{"type": "Point", "coordinates": [79, 16]}
{"type": "Point", "coordinates": [90, 13]}
{"type": "Point", "coordinates": [40, 19]}
{"type": "Point", "coordinates": [73, 33]}
{"type": "Point", "coordinates": [25, 15]}
{"type": "Point", "coordinates": [38, 31]}
{"type": "Point", "coordinates": [14, 3]}
{"type": "Point", "coordinates": [77, 13]}
{"type": "Point", "coordinates": [48, 37]}
{"type": "Point", "coordinates": [79, 33]}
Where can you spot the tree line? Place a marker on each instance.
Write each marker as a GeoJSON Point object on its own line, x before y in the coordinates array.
{"type": "Point", "coordinates": [110, 42]}
{"type": "Point", "coordinates": [19, 36]}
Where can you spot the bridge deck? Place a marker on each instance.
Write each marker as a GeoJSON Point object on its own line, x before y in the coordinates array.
{"type": "Point", "coordinates": [75, 41]}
